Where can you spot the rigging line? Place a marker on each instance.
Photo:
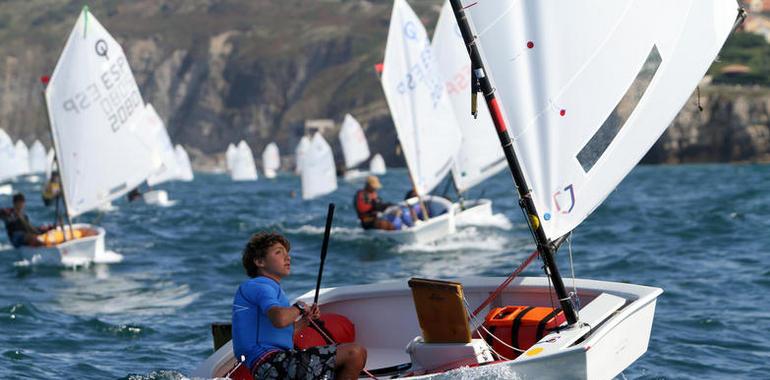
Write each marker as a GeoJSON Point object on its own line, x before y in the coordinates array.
{"type": "Point", "coordinates": [330, 339]}
{"type": "Point", "coordinates": [507, 281]}
{"type": "Point", "coordinates": [574, 294]}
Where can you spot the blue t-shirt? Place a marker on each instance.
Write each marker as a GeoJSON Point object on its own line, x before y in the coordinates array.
{"type": "Point", "coordinates": [253, 333]}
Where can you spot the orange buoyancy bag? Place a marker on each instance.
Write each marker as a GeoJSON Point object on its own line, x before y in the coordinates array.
{"type": "Point", "coordinates": [520, 327]}
{"type": "Point", "coordinates": [57, 236]}
{"type": "Point", "coordinates": [337, 327]}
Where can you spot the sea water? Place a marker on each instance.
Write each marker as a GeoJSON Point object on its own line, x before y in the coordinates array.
{"type": "Point", "coordinates": [702, 233]}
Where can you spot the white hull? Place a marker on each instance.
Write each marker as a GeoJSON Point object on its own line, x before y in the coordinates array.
{"type": "Point", "coordinates": [620, 316]}
{"type": "Point", "coordinates": [157, 197]}
{"type": "Point", "coordinates": [471, 212]}
{"type": "Point", "coordinates": [424, 231]}
{"type": "Point", "coordinates": [6, 189]}
{"type": "Point", "coordinates": [355, 175]}
{"type": "Point", "coordinates": [270, 173]}
{"type": "Point", "coordinates": [73, 253]}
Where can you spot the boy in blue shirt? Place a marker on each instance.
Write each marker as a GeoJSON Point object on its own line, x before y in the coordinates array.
{"type": "Point", "coordinates": [264, 323]}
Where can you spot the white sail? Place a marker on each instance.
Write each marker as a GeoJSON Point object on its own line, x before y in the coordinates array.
{"type": "Point", "coordinates": [480, 155]}
{"type": "Point", "coordinates": [94, 106]}
{"type": "Point", "coordinates": [162, 150]}
{"type": "Point", "coordinates": [184, 172]}
{"type": "Point", "coordinates": [319, 175]}
{"type": "Point", "coordinates": [22, 157]}
{"type": "Point", "coordinates": [37, 158]}
{"type": "Point", "coordinates": [377, 165]}
{"type": "Point", "coordinates": [8, 167]}
{"type": "Point", "coordinates": [230, 154]}
{"type": "Point", "coordinates": [243, 167]}
{"type": "Point", "coordinates": [355, 149]}
{"type": "Point", "coordinates": [271, 160]}
{"type": "Point", "coordinates": [587, 87]}
{"type": "Point", "coordinates": [421, 110]}
{"type": "Point", "coordinates": [299, 153]}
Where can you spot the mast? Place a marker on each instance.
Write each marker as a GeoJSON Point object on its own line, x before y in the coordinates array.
{"type": "Point", "coordinates": [544, 246]}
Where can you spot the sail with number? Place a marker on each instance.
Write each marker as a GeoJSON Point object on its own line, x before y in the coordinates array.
{"type": "Point", "coordinates": [355, 149]}
{"type": "Point", "coordinates": [243, 166]}
{"type": "Point", "coordinates": [377, 165]}
{"type": "Point", "coordinates": [421, 110]}
{"type": "Point", "coordinates": [480, 155]}
{"type": "Point", "coordinates": [184, 168]}
{"type": "Point", "coordinates": [94, 107]}
{"type": "Point", "coordinates": [271, 160]}
{"type": "Point", "coordinates": [162, 149]}
{"type": "Point", "coordinates": [37, 158]}
{"type": "Point", "coordinates": [587, 87]}
{"type": "Point", "coordinates": [319, 175]}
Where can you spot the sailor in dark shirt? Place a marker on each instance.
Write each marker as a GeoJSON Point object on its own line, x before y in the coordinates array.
{"type": "Point", "coordinates": [20, 230]}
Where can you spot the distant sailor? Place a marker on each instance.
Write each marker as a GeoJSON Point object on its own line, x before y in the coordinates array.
{"type": "Point", "coordinates": [52, 189]}
{"type": "Point", "coordinates": [20, 230]}
{"type": "Point", "coordinates": [369, 206]}
{"type": "Point", "coordinates": [134, 195]}
{"type": "Point", "coordinates": [264, 324]}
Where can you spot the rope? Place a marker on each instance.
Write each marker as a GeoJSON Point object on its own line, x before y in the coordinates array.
{"type": "Point", "coordinates": [330, 339]}
{"type": "Point", "coordinates": [505, 283]}
{"type": "Point", "coordinates": [572, 268]}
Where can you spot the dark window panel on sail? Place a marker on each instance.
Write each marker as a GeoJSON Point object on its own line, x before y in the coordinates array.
{"type": "Point", "coordinates": [603, 137]}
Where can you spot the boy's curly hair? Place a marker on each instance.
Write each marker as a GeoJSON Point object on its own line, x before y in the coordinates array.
{"type": "Point", "coordinates": [257, 247]}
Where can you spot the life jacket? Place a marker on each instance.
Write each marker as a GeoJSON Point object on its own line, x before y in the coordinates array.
{"type": "Point", "coordinates": [364, 206]}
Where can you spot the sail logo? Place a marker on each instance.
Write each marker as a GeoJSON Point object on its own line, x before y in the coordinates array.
{"type": "Point", "coordinates": [410, 31]}
{"type": "Point", "coordinates": [564, 199]}
{"type": "Point", "coordinates": [101, 49]}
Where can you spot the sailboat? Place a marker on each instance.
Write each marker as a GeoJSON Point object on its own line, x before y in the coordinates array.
{"type": "Point", "coordinates": [478, 158]}
{"type": "Point", "coordinates": [377, 165]}
{"type": "Point", "coordinates": [162, 152]}
{"type": "Point", "coordinates": [271, 160]}
{"type": "Point", "coordinates": [618, 82]}
{"type": "Point", "coordinates": [37, 158]}
{"type": "Point", "coordinates": [355, 149]}
{"type": "Point", "coordinates": [94, 110]}
{"type": "Point", "coordinates": [7, 163]}
{"type": "Point", "coordinates": [185, 172]}
{"type": "Point", "coordinates": [230, 154]}
{"type": "Point", "coordinates": [22, 157]}
{"type": "Point", "coordinates": [243, 167]}
{"type": "Point", "coordinates": [299, 153]}
{"type": "Point", "coordinates": [424, 121]}
{"type": "Point", "coordinates": [318, 173]}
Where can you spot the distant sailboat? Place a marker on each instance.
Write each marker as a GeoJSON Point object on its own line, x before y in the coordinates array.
{"type": "Point", "coordinates": [355, 149]}
{"type": "Point", "coordinates": [271, 160]}
{"type": "Point", "coordinates": [100, 150]}
{"type": "Point", "coordinates": [22, 157]}
{"type": "Point", "coordinates": [162, 152]}
{"type": "Point", "coordinates": [243, 167]}
{"type": "Point", "coordinates": [37, 158]}
{"type": "Point", "coordinates": [424, 121]}
{"type": "Point", "coordinates": [7, 163]}
{"type": "Point", "coordinates": [185, 172]}
{"type": "Point", "coordinates": [299, 153]}
{"type": "Point", "coordinates": [230, 154]}
{"type": "Point", "coordinates": [377, 165]}
{"type": "Point", "coordinates": [319, 176]}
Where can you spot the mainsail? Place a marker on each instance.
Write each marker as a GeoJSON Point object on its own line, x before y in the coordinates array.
{"type": "Point", "coordinates": [185, 172]}
{"type": "Point", "coordinates": [480, 155]}
{"type": "Point", "coordinates": [421, 110]}
{"type": "Point", "coordinates": [377, 165]}
{"type": "Point", "coordinates": [355, 149]}
{"type": "Point", "coordinates": [319, 176]}
{"type": "Point", "coordinates": [162, 149]}
{"type": "Point", "coordinates": [587, 87]}
{"type": "Point", "coordinates": [37, 158]}
{"type": "Point", "coordinates": [243, 167]}
{"type": "Point", "coordinates": [271, 160]}
{"type": "Point", "coordinates": [94, 106]}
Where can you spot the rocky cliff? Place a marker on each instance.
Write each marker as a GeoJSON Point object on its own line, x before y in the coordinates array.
{"type": "Point", "coordinates": [220, 71]}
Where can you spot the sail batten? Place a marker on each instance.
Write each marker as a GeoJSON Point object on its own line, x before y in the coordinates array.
{"type": "Point", "coordinates": [586, 88]}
